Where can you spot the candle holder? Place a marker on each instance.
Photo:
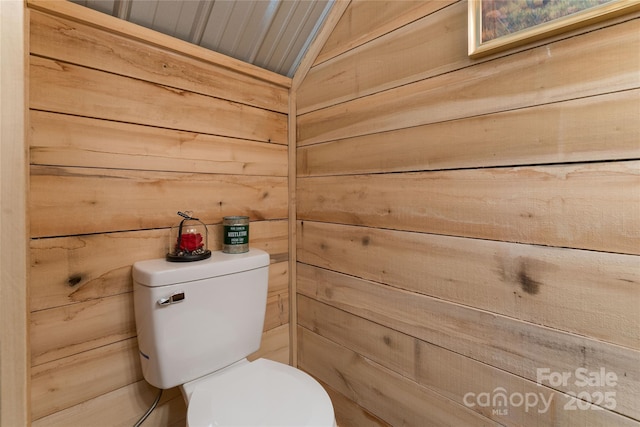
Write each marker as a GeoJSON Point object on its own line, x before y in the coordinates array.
{"type": "Point", "coordinates": [188, 241]}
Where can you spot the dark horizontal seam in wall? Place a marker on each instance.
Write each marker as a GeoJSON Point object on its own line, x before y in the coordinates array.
{"type": "Point", "coordinates": [509, 166]}
{"type": "Point", "coordinates": [473, 116]}
{"type": "Point", "coordinates": [283, 144]}
{"type": "Point", "coordinates": [151, 82]}
{"type": "Point", "coordinates": [465, 237]}
{"type": "Point", "coordinates": [99, 233]}
{"type": "Point", "coordinates": [478, 62]}
{"type": "Point", "coordinates": [167, 171]}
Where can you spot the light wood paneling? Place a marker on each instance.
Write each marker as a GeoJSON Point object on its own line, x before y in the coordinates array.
{"type": "Point", "coordinates": [292, 183]}
{"type": "Point", "coordinates": [68, 330]}
{"type": "Point", "coordinates": [365, 21]}
{"type": "Point", "coordinates": [129, 30]}
{"type": "Point", "coordinates": [66, 270]}
{"type": "Point", "coordinates": [66, 88]}
{"type": "Point", "coordinates": [449, 373]}
{"type": "Point", "coordinates": [274, 346]}
{"type": "Point", "coordinates": [66, 40]}
{"type": "Point", "coordinates": [63, 140]}
{"type": "Point", "coordinates": [585, 292]}
{"type": "Point", "coordinates": [81, 44]}
{"type": "Point", "coordinates": [125, 132]}
{"type": "Point", "coordinates": [132, 401]}
{"type": "Point", "coordinates": [551, 73]}
{"type": "Point", "coordinates": [66, 382]}
{"type": "Point", "coordinates": [366, 69]}
{"type": "Point", "coordinates": [589, 206]}
{"type": "Point", "coordinates": [14, 347]}
{"type": "Point", "coordinates": [595, 128]}
{"type": "Point", "coordinates": [278, 277]}
{"type": "Point", "coordinates": [277, 311]}
{"type": "Point", "coordinates": [464, 223]}
{"type": "Point", "coordinates": [333, 17]}
{"type": "Point", "coordinates": [348, 413]}
{"type": "Point", "coordinates": [512, 345]}
{"type": "Point", "coordinates": [382, 392]}
{"type": "Point", "coordinates": [66, 201]}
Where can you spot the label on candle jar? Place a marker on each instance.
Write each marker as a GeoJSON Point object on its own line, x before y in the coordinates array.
{"type": "Point", "coordinates": [236, 234]}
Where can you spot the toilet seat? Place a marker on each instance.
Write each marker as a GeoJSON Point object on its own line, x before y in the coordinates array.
{"type": "Point", "coordinates": [261, 393]}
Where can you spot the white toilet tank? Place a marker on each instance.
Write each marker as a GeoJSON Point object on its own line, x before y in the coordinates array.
{"type": "Point", "coordinates": [195, 318]}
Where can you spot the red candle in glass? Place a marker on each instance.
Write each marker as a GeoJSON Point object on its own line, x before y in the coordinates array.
{"type": "Point", "coordinates": [190, 241]}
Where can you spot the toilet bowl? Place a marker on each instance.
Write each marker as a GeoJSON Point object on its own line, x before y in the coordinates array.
{"type": "Point", "coordinates": [197, 322]}
{"type": "Point", "coordinates": [259, 393]}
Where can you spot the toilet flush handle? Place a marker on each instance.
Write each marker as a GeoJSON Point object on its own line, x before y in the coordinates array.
{"type": "Point", "coordinates": [173, 299]}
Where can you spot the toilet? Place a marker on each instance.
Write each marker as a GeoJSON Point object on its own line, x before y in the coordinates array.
{"type": "Point", "coordinates": [197, 322]}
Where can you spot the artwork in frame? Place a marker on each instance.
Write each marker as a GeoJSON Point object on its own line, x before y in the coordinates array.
{"type": "Point", "coordinates": [496, 25]}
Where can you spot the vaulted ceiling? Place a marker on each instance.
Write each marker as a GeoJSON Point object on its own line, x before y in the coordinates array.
{"type": "Point", "coordinates": [272, 34]}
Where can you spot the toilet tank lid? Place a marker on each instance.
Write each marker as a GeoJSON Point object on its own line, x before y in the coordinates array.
{"type": "Point", "coordinates": [160, 272]}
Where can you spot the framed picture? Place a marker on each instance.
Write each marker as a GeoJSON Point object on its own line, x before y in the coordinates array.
{"type": "Point", "coordinates": [496, 25]}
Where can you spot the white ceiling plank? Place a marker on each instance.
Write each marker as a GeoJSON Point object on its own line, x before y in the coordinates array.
{"type": "Point", "coordinates": [165, 20]}
{"type": "Point", "coordinates": [196, 28]}
{"type": "Point", "coordinates": [292, 35]}
{"type": "Point", "coordinates": [143, 12]}
{"type": "Point", "coordinates": [246, 27]}
{"type": "Point", "coordinates": [122, 9]}
{"type": "Point", "coordinates": [300, 52]}
{"type": "Point", "coordinates": [276, 33]}
{"type": "Point", "coordinates": [265, 24]}
{"type": "Point", "coordinates": [217, 25]}
{"type": "Point", "coordinates": [105, 6]}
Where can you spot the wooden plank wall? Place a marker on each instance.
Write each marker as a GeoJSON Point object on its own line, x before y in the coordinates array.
{"type": "Point", "coordinates": [14, 246]}
{"type": "Point", "coordinates": [123, 134]}
{"type": "Point", "coordinates": [467, 226]}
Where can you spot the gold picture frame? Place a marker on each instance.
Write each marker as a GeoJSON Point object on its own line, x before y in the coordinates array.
{"type": "Point", "coordinates": [501, 38]}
